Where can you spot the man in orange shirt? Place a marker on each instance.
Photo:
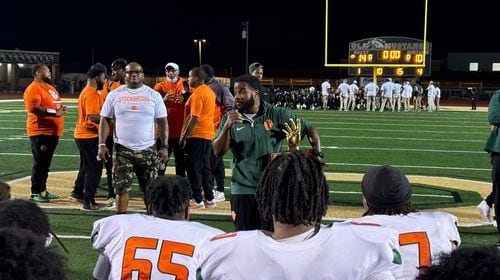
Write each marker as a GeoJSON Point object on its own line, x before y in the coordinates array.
{"type": "Point", "coordinates": [45, 124]}
{"type": "Point", "coordinates": [196, 138]}
{"type": "Point", "coordinates": [86, 136]}
{"type": "Point", "coordinates": [173, 92]}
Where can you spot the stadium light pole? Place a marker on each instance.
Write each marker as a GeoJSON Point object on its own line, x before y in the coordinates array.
{"type": "Point", "coordinates": [199, 42]}
{"type": "Point", "coordinates": [244, 35]}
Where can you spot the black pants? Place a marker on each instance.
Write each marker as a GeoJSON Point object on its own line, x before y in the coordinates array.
{"type": "Point", "coordinates": [108, 164]}
{"type": "Point", "coordinates": [495, 178]}
{"type": "Point", "coordinates": [198, 153]}
{"type": "Point", "coordinates": [180, 165]}
{"type": "Point", "coordinates": [42, 148]}
{"type": "Point", "coordinates": [246, 215]}
{"type": "Point", "coordinates": [218, 171]}
{"type": "Point", "coordinates": [90, 166]}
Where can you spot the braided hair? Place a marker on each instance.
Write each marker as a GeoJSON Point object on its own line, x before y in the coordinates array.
{"type": "Point", "coordinates": [293, 190]}
{"type": "Point", "coordinates": [168, 195]}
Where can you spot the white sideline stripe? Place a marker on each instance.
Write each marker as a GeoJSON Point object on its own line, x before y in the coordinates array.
{"type": "Point", "coordinates": [11, 100]}
{"type": "Point", "coordinates": [400, 138]}
{"type": "Point", "coordinates": [404, 150]}
{"type": "Point", "coordinates": [73, 236]}
{"type": "Point", "coordinates": [403, 121]}
{"type": "Point", "coordinates": [415, 194]}
{"type": "Point", "coordinates": [24, 154]}
{"type": "Point", "coordinates": [398, 124]}
{"type": "Point", "coordinates": [325, 147]}
{"type": "Point", "coordinates": [327, 163]}
{"type": "Point", "coordinates": [401, 130]}
{"type": "Point", "coordinates": [26, 137]}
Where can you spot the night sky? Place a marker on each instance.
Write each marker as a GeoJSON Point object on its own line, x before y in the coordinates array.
{"type": "Point", "coordinates": [287, 38]}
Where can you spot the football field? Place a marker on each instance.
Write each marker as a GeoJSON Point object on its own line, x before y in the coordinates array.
{"type": "Point", "coordinates": [441, 152]}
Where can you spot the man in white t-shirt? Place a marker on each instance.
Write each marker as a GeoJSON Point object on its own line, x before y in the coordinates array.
{"type": "Point", "coordinates": [438, 97]}
{"type": "Point", "coordinates": [353, 92]}
{"type": "Point", "coordinates": [343, 91]}
{"type": "Point", "coordinates": [160, 245]}
{"type": "Point", "coordinates": [371, 90]}
{"type": "Point", "coordinates": [387, 89]}
{"type": "Point", "coordinates": [325, 92]}
{"type": "Point", "coordinates": [294, 193]}
{"type": "Point", "coordinates": [134, 108]}
{"type": "Point", "coordinates": [423, 236]}
{"type": "Point", "coordinates": [431, 95]}
{"type": "Point", "coordinates": [407, 94]}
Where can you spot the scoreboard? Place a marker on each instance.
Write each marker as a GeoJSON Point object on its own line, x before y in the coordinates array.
{"type": "Point", "coordinates": [391, 54]}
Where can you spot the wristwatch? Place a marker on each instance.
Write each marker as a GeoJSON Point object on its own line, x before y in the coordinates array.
{"type": "Point", "coordinates": [165, 146]}
{"type": "Point", "coordinates": [319, 154]}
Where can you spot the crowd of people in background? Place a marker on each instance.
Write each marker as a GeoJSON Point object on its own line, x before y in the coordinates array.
{"type": "Point", "coordinates": [349, 96]}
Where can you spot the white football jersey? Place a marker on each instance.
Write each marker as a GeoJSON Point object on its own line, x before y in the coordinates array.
{"type": "Point", "coordinates": [422, 237]}
{"type": "Point", "coordinates": [339, 251]}
{"type": "Point", "coordinates": [145, 247]}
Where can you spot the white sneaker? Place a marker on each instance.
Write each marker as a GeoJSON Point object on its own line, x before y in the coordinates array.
{"type": "Point", "coordinates": [485, 211]}
{"type": "Point", "coordinates": [211, 203]}
{"type": "Point", "coordinates": [219, 196]}
{"type": "Point", "coordinates": [194, 205]}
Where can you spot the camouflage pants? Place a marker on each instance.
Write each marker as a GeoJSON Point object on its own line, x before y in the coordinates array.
{"type": "Point", "coordinates": [127, 162]}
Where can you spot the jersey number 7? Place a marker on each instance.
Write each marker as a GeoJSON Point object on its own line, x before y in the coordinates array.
{"type": "Point", "coordinates": [424, 246]}
{"type": "Point", "coordinates": [165, 265]}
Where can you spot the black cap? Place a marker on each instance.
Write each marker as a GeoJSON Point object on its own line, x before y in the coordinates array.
{"type": "Point", "coordinates": [386, 187]}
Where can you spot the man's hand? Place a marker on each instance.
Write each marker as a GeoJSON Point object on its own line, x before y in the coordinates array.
{"type": "Point", "coordinates": [168, 96]}
{"type": "Point", "coordinates": [182, 142]}
{"type": "Point", "coordinates": [61, 111]}
{"type": "Point", "coordinates": [103, 153]}
{"type": "Point", "coordinates": [163, 154]}
{"type": "Point", "coordinates": [233, 117]}
{"type": "Point", "coordinates": [292, 133]}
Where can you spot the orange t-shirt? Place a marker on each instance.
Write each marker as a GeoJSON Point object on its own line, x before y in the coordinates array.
{"type": "Point", "coordinates": [201, 104]}
{"type": "Point", "coordinates": [217, 115]}
{"type": "Point", "coordinates": [107, 88]}
{"type": "Point", "coordinates": [89, 103]}
{"type": "Point", "coordinates": [175, 110]}
{"type": "Point", "coordinates": [44, 95]}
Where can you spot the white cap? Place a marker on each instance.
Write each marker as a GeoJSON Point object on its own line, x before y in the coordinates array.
{"type": "Point", "coordinates": [354, 82]}
{"type": "Point", "coordinates": [173, 65]}
{"type": "Point", "coordinates": [431, 82]}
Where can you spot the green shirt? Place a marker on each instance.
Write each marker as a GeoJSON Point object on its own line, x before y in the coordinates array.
{"type": "Point", "coordinates": [252, 143]}
{"type": "Point", "coordinates": [493, 142]}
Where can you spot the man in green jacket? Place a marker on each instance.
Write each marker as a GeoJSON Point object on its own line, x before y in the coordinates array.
{"type": "Point", "coordinates": [493, 147]}
{"type": "Point", "coordinates": [253, 132]}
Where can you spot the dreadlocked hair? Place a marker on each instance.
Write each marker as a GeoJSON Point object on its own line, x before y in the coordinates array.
{"type": "Point", "coordinates": [404, 209]}
{"type": "Point", "coordinates": [293, 190]}
{"type": "Point", "coordinates": [168, 195]}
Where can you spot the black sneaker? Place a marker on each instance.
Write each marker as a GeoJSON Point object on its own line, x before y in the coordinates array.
{"type": "Point", "coordinates": [90, 206]}
{"type": "Point", "coordinates": [76, 197]}
{"type": "Point", "coordinates": [498, 245]}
